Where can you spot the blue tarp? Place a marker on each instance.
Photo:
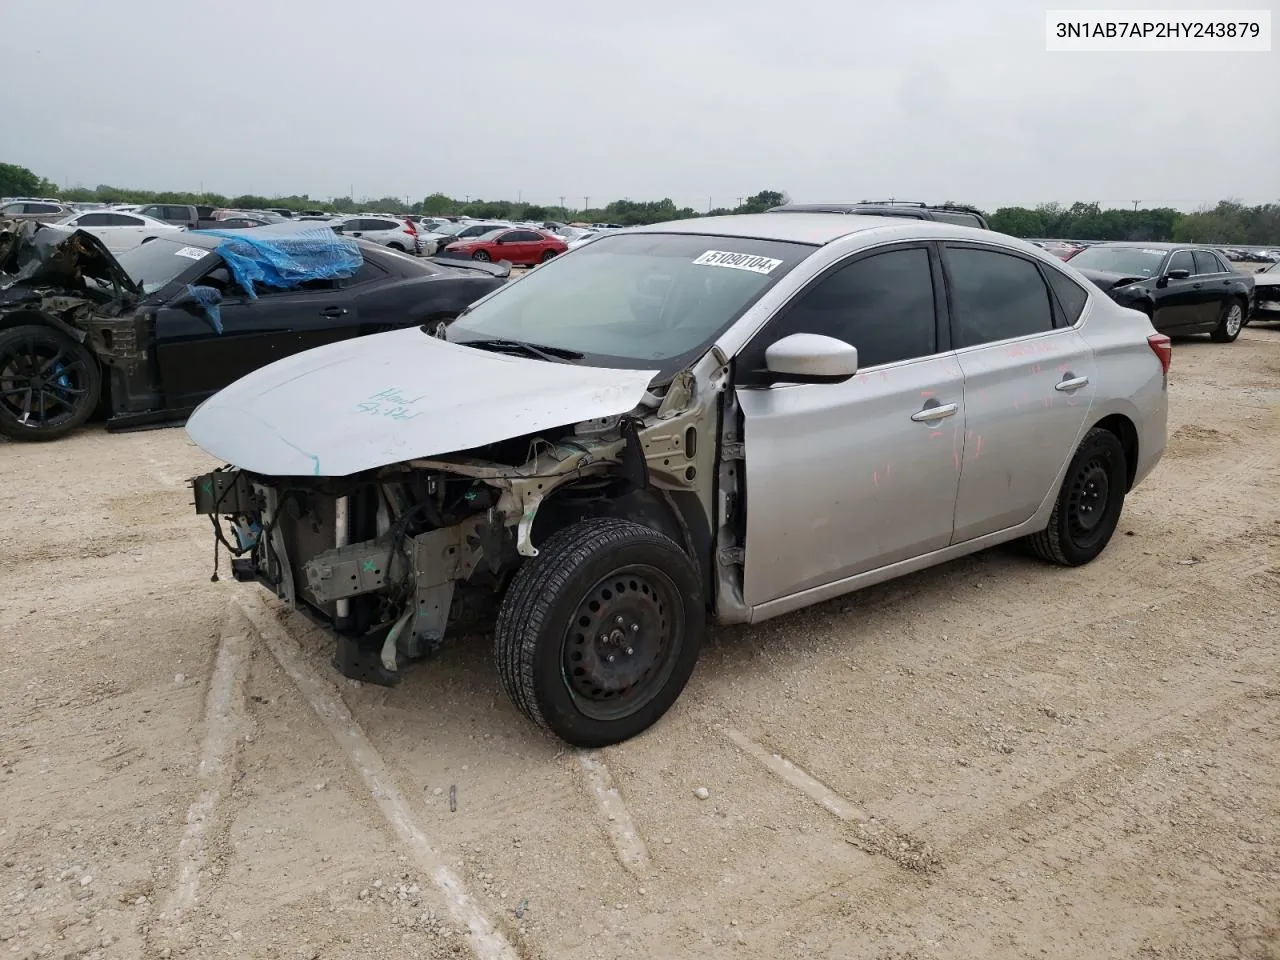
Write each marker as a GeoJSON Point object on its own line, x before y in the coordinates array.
{"type": "Point", "coordinates": [208, 298]}
{"type": "Point", "coordinates": [286, 259]}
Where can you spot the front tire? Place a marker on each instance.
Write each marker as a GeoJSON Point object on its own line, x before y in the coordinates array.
{"type": "Point", "coordinates": [1230, 323]}
{"type": "Point", "coordinates": [49, 384]}
{"type": "Point", "coordinates": [1089, 503]}
{"type": "Point", "coordinates": [597, 635]}
{"type": "Point", "coordinates": [479, 255]}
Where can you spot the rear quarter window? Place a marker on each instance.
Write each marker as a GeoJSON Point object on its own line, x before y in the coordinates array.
{"type": "Point", "coordinates": [1071, 297]}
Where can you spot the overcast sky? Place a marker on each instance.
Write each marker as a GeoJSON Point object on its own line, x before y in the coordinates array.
{"type": "Point", "coordinates": [695, 100]}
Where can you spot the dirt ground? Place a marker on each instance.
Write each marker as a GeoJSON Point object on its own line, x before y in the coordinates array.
{"type": "Point", "coordinates": [992, 759]}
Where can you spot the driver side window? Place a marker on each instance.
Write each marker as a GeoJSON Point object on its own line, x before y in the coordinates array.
{"type": "Point", "coordinates": [1182, 261]}
{"type": "Point", "coordinates": [882, 304]}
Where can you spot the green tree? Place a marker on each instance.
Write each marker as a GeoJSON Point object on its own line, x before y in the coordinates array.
{"type": "Point", "coordinates": [16, 181]}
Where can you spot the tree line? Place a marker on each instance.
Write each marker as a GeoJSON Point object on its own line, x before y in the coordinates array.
{"type": "Point", "coordinates": [1228, 222]}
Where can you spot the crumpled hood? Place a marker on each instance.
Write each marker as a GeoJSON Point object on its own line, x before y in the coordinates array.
{"type": "Point", "coordinates": [390, 397]}
{"type": "Point", "coordinates": [37, 253]}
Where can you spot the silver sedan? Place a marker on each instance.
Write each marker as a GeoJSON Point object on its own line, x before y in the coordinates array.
{"type": "Point", "coordinates": [711, 420]}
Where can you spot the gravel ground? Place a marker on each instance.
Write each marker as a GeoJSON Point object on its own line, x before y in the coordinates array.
{"type": "Point", "coordinates": [992, 759]}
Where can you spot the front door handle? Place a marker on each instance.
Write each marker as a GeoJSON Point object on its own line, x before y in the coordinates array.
{"type": "Point", "coordinates": [1075, 383]}
{"type": "Point", "coordinates": [333, 312]}
{"type": "Point", "coordinates": [936, 412]}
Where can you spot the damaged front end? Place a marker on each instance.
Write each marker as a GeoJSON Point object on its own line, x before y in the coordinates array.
{"type": "Point", "coordinates": [71, 281]}
{"type": "Point", "coordinates": [392, 559]}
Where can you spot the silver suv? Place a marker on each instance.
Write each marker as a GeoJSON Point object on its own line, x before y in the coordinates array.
{"type": "Point", "coordinates": [718, 419]}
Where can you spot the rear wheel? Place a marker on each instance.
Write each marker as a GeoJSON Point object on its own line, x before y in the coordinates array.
{"type": "Point", "coordinates": [547, 255]}
{"type": "Point", "coordinates": [479, 255]}
{"type": "Point", "coordinates": [1089, 503]}
{"type": "Point", "coordinates": [598, 634]}
{"type": "Point", "coordinates": [1230, 323]}
{"type": "Point", "coordinates": [49, 384]}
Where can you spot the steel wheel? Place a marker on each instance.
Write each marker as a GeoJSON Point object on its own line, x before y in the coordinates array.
{"type": "Point", "coordinates": [48, 383]}
{"type": "Point", "coordinates": [617, 652]}
{"type": "Point", "coordinates": [1087, 501]}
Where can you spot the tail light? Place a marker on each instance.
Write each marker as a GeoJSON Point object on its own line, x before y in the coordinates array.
{"type": "Point", "coordinates": [412, 228]}
{"type": "Point", "coordinates": [1162, 347]}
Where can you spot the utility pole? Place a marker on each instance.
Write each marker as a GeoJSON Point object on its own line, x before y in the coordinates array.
{"type": "Point", "coordinates": [740, 201]}
{"type": "Point", "coordinates": [709, 204]}
{"type": "Point", "coordinates": [1135, 205]}
{"type": "Point", "coordinates": [563, 210]}
{"type": "Point", "coordinates": [586, 204]}
{"type": "Point", "coordinates": [519, 196]}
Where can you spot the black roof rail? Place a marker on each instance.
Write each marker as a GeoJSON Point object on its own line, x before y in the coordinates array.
{"type": "Point", "coordinates": [894, 203]}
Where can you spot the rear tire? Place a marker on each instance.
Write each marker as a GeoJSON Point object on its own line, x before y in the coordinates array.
{"type": "Point", "coordinates": [1089, 503]}
{"type": "Point", "coordinates": [597, 635]}
{"type": "Point", "coordinates": [1232, 321]}
{"type": "Point", "coordinates": [548, 255]}
{"type": "Point", "coordinates": [479, 255]}
{"type": "Point", "coordinates": [49, 384]}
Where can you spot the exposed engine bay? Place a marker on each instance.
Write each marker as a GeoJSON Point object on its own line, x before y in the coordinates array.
{"type": "Point", "coordinates": [392, 559]}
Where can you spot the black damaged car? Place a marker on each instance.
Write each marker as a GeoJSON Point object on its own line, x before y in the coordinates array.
{"type": "Point", "coordinates": [1182, 288]}
{"type": "Point", "coordinates": [143, 338]}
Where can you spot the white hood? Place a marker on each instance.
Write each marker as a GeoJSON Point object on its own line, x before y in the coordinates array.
{"type": "Point", "coordinates": [389, 397]}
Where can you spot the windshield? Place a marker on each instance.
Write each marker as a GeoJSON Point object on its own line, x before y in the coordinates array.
{"type": "Point", "coordinates": [153, 264]}
{"type": "Point", "coordinates": [634, 300]}
{"type": "Point", "coordinates": [1130, 261]}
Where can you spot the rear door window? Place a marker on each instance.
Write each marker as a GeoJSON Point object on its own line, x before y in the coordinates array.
{"type": "Point", "coordinates": [995, 296]}
{"type": "Point", "coordinates": [1206, 262]}
{"type": "Point", "coordinates": [1182, 260]}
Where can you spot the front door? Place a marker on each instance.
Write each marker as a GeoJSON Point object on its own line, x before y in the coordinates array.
{"type": "Point", "coordinates": [849, 477]}
{"type": "Point", "coordinates": [1029, 381]}
{"type": "Point", "coordinates": [196, 361]}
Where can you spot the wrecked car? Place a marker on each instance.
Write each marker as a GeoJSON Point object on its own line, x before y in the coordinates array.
{"type": "Point", "coordinates": [144, 336]}
{"type": "Point", "coordinates": [720, 419]}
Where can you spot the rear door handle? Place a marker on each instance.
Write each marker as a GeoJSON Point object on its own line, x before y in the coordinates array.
{"type": "Point", "coordinates": [333, 312]}
{"type": "Point", "coordinates": [1075, 383]}
{"type": "Point", "coordinates": [936, 412]}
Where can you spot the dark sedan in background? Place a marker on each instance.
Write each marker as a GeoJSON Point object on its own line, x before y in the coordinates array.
{"type": "Point", "coordinates": [145, 337]}
{"type": "Point", "coordinates": [1184, 289]}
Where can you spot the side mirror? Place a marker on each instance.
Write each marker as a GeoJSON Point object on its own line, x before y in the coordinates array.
{"type": "Point", "coordinates": [1178, 274]}
{"type": "Point", "coordinates": [811, 358]}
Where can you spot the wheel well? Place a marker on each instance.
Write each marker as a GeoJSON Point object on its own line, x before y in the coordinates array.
{"type": "Point", "coordinates": [1127, 434]}
{"type": "Point", "coordinates": [678, 515]}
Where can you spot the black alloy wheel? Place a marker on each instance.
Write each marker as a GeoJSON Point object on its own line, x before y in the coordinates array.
{"type": "Point", "coordinates": [49, 384]}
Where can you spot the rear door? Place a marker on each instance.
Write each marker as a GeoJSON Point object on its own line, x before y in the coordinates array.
{"type": "Point", "coordinates": [1028, 382]}
{"type": "Point", "coordinates": [196, 361]}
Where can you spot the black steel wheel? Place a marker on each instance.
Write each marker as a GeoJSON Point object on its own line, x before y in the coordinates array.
{"type": "Point", "coordinates": [598, 634]}
{"type": "Point", "coordinates": [1089, 503]}
{"type": "Point", "coordinates": [49, 384]}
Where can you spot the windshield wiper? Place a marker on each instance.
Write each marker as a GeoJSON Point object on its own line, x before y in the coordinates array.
{"type": "Point", "coordinates": [536, 350]}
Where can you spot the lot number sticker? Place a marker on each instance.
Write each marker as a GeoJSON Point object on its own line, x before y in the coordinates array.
{"type": "Point", "coordinates": [192, 253]}
{"type": "Point", "coordinates": [738, 261]}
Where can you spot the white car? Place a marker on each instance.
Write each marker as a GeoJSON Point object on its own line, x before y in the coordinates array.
{"type": "Point", "coordinates": [117, 230]}
{"type": "Point", "coordinates": [387, 230]}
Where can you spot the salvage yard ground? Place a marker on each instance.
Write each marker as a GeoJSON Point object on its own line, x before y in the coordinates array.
{"type": "Point", "coordinates": [993, 759]}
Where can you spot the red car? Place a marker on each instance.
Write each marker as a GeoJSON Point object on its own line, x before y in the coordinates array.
{"type": "Point", "coordinates": [513, 244]}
